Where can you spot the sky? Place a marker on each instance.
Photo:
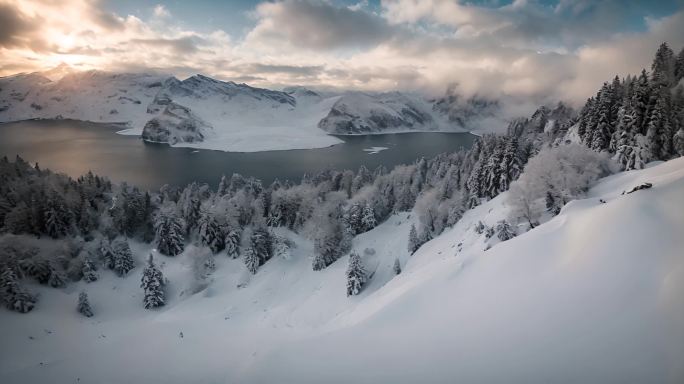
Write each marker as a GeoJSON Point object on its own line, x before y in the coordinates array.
{"type": "Point", "coordinates": [537, 49]}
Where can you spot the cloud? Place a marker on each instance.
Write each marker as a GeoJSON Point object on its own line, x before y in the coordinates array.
{"type": "Point", "coordinates": [316, 25]}
{"type": "Point", "coordinates": [18, 30]}
{"type": "Point", "coordinates": [525, 49]}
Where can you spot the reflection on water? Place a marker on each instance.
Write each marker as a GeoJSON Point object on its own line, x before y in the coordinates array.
{"type": "Point", "coordinates": [74, 147]}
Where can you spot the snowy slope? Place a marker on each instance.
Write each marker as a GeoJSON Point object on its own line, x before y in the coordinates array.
{"type": "Point", "coordinates": [594, 295]}
{"type": "Point", "coordinates": [90, 96]}
{"type": "Point", "coordinates": [359, 113]}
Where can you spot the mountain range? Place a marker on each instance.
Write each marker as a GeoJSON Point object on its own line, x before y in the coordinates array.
{"type": "Point", "coordinates": [208, 113]}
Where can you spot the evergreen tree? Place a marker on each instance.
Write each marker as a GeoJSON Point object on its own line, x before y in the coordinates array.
{"type": "Point", "coordinates": [123, 257]}
{"type": "Point", "coordinates": [413, 240]}
{"type": "Point", "coordinates": [282, 247]}
{"type": "Point", "coordinates": [368, 218]}
{"type": "Point", "coordinates": [663, 66]}
{"type": "Point", "coordinates": [57, 216]}
{"type": "Point", "coordinates": [13, 295]}
{"type": "Point", "coordinates": [89, 270]}
{"type": "Point", "coordinates": [678, 141]}
{"type": "Point", "coordinates": [106, 253]}
{"type": "Point", "coordinates": [261, 243]}
{"type": "Point", "coordinates": [169, 233]}
{"type": "Point", "coordinates": [356, 274]}
{"type": "Point", "coordinates": [233, 244]}
{"type": "Point", "coordinates": [397, 266]}
{"type": "Point", "coordinates": [251, 259]}
{"type": "Point", "coordinates": [83, 306]}
{"type": "Point", "coordinates": [153, 283]}
{"type": "Point", "coordinates": [504, 231]}
{"type": "Point", "coordinates": [679, 67]}
{"type": "Point", "coordinates": [210, 233]}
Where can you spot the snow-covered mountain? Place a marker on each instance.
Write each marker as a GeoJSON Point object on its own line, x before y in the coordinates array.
{"type": "Point", "coordinates": [207, 113]}
{"type": "Point", "coordinates": [593, 295]}
{"type": "Point", "coordinates": [361, 113]}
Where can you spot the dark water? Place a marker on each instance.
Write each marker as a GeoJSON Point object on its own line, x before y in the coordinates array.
{"type": "Point", "coordinates": [74, 147]}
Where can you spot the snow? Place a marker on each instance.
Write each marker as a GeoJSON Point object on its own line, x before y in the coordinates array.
{"type": "Point", "coordinates": [374, 150]}
{"type": "Point", "coordinates": [229, 116]}
{"type": "Point", "coordinates": [593, 295]}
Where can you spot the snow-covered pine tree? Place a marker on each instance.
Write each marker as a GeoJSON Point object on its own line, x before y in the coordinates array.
{"type": "Point", "coordinates": [368, 218]}
{"type": "Point", "coordinates": [261, 243]}
{"type": "Point", "coordinates": [678, 142]}
{"type": "Point", "coordinates": [123, 257]}
{"type": "Point", "coordinates": [356, 274]}
{"type": "Point", "coordinates": [83, 306]}
{"type": "Point", "coordinates": [209, 231]}
{"type": "Point", "coordinates": [189, 205]}
{"type": "Point", "coordinates": [397, 266]}
{"type": "Point", "coordinates": [169, 232]}
{"type": "Point", "coordinates": [89, 270]}
{"type": "Point", "coordinates": [251, 260]}
{"type": "Point", "coordinates": [504, 231]}
{"type": "Point", "coordinates": [233, 244]}
{"type": "Point", "coordinates": [57, 216]}
{"type": "Point", "coordinates": [679, 67]}
{"type": "Point", "coordinates": [13, 295]}
{"type": "Point", "coordinates": [153, 283]}
{"type": "Point", "coordinates": [282, 247]}
{"type": "Point", "coordinates": [106, 254]}
{"type": "Point", "coordinates": [413, 240]}
{"type": "Point", "coordinates": [57, 278]}
{"type": "Point", "coordinates": [663, 66]}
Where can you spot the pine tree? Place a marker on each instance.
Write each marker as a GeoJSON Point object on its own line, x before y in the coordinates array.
{"type": "Point", "coordinates": [13, 295]}
{"type": "Point", "coordinates": [169, 233]}
{"type": "Point", "coordinates": [413, 240]}
{"type": "Point", "coordinates": [251, 260]}
{"type": "Point", "coordinates": [83, 306]}
{"type": "Point", "coordinates": [210, 233]}
{"type": "Point", "coordinates": [106, 253]}
{"type": "Point", "coordinates": [368, 218]}
{"type": "Point", "coordinates": [678, 141]}
{"type": "Point", "coordinates": [356, 274]}
{"type": "Point", "coordinates": [663, 66]}
{"type": "Point", "coordinates": [153, 283]}
{"type": "Point", "coordinates": [397, 266]}
{"type": "Point", "coordinates": [56, 216]}
{"type": "Point", "coordinates": [89, 270]}
{"type": "Point", "coordinates": [504, 231]}
{"type": "Point", "coordinates": [123, 257]}
{"type": "Point", "coordinates": [233, 244]}
{"type": "Point", "coordinates": [679, 67]}
{"type": "Point", "coordinates": [261, 243]}
{"type": "Point", "coordinates": [282, 247]}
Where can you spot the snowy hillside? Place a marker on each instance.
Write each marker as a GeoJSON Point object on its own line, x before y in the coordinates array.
{"type": "Point", "coordinates": [202, 112]}
{"type": "Point", "coordinates": [359, 113]}
{"type": "Point", "coordinates": [593, 295]}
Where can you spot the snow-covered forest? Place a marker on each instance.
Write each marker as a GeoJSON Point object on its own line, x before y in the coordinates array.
{"type": "Point", "coordinates": [68, 234]}
{"type": "Point", "coordinates": [546, 161]}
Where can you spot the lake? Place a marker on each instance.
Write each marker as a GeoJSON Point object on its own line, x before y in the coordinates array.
{"type": "Point", "coordinates": [75, 147]}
